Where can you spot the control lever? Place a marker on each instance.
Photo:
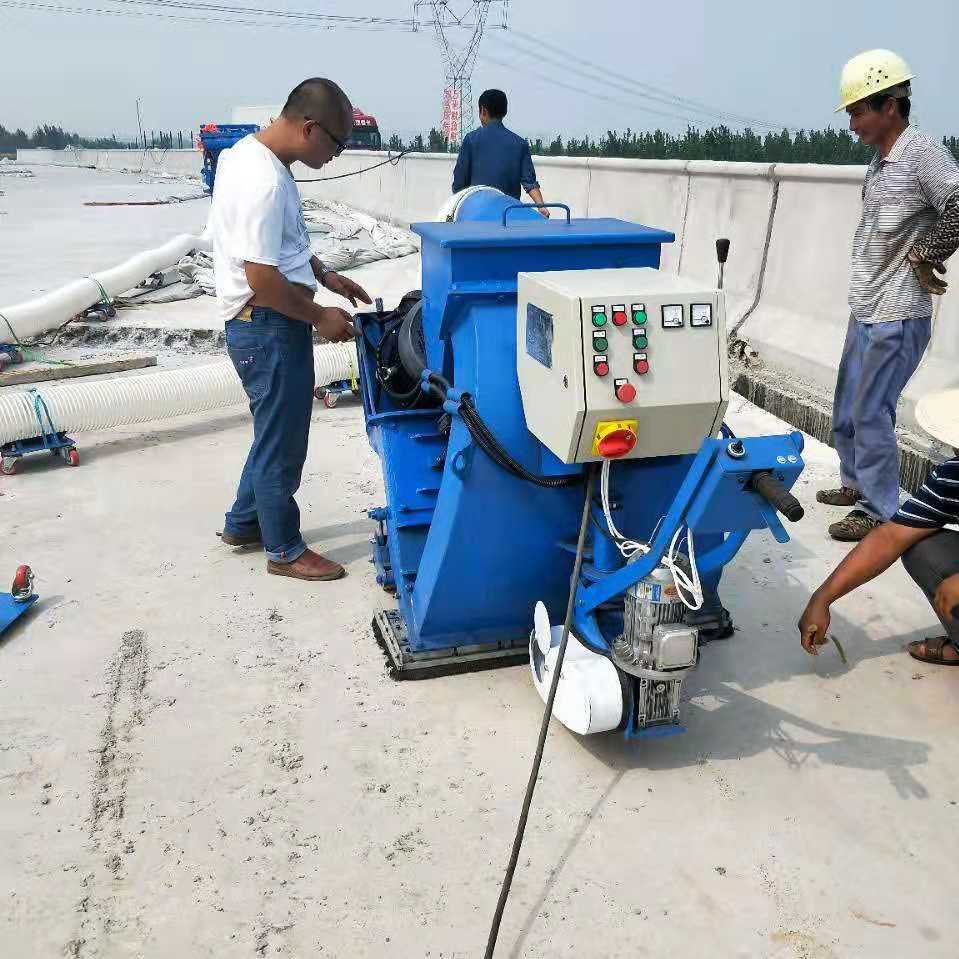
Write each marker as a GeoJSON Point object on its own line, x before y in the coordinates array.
{"type": "Point", "coordinates": [722, 254]}
{"type": "Point", "coordinates": [778, 497]}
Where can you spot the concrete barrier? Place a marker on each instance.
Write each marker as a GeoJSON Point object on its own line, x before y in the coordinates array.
{"type": "Point", "coordinates": [790, 225]}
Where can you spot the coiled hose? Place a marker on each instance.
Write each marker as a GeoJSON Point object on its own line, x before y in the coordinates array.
{"type": "Point", "coordinates": [125, 401]}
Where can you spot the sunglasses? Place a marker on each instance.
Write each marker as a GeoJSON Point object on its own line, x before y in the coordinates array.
{"type": "Point", "coordinates": [340, 144]}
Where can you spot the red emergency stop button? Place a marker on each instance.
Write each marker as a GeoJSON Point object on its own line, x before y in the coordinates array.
{"type": "Point", "coordinates": [616, 444]}
{"type": "Point", "coordinates": [625, 392]}
{"type": "Point", "coordinates": [600, 367]}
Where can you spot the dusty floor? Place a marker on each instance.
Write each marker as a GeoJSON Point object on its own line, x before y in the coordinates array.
{"type": "Point", "coordinates": [199, 760]}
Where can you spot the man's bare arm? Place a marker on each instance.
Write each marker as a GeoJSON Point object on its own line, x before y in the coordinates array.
{"type": "Point", "coordinates": [272, 289]}
{"type": "Point", "coordinates": [874, 555]}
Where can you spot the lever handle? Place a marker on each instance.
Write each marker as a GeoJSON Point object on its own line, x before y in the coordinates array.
{"type": "Point", "coordinates": [722, 250]}
{"type": "Point", "coordinates": [778, 497]}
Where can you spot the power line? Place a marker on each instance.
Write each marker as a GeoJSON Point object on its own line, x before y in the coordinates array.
{"type": "Point", "coordinates": [573, 63]}
{"type": "Point", "coordinates": [332, 19]}
{"type": "Point", "coordinates": [150, 14]}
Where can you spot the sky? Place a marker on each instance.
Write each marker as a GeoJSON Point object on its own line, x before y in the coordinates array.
{"type": "Point", "coordinates": [569, 66]}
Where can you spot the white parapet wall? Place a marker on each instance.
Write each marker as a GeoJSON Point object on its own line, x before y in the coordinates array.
{"type": "Point", "coordinates": [791, 228]}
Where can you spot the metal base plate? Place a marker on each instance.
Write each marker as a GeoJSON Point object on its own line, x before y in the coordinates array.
{"type": "Point", "coordinates": [404, 663]}
{"type": "Point", "coordinates": [11, 610]}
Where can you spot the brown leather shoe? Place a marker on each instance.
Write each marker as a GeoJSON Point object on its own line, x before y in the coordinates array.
{"type": "Point", "coordinates": [246, 539]}
{"type": "Point", "coordinates": [854, 526]}
{"type": "Point", "coordinates": [310, 566]}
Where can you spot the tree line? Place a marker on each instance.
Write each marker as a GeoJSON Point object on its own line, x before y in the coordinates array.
{"type": "Point", "coordinates": [54, 137]}
{"type": "Point", "coordinates": [715, 143]}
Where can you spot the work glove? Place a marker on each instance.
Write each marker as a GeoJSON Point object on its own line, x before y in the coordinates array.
{"type": "Point", "coordinates": [926, 271]}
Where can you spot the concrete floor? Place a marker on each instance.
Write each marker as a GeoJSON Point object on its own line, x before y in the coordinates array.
{"type": "Point", "coordinates": [198, 760]}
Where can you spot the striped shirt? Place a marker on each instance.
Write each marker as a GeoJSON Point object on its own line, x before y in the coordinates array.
{"type": "Point", "coordinates": [902, 198]}
{"type": "Point", "coordinates": [936, 504]}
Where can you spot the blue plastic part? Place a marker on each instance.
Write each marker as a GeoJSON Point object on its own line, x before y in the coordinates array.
{"type": "Point", "coordinates": [221, 137]}
{"type": "Point", "coordinates": [471, 548]}
{"type": "Point", "coordinates": [11, 610]}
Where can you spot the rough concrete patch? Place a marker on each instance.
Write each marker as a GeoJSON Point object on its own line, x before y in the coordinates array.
{"type": "Point", "coordinates": [812, 415]}
{"type": "Point", "coordinates": [182, 340]}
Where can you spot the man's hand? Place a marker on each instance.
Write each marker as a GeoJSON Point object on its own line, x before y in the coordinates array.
{"type": "Point", "coordinates": [947, 598]}
{"type": "Point", "coordinates": [926, 271]}
{"type": "Point", "coordinates": [813, 626]}
{"type": "Point", "coordinates": [334, 324]}
{"type": "Point", "coordinates": [346, 288]}
{"type": "Point", "coordinates": [543, 211]}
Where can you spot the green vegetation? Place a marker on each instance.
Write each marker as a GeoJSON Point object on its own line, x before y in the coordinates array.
{"type": "Point", "coordinates": [716, 143]}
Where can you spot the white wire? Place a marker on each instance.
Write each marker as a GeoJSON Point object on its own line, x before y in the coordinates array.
{"type": "Point", "coordinates": [689, 586]}
{"type": "Point", "coordinates": [627, 547]}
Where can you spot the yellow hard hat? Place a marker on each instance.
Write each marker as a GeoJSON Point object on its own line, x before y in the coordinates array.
{"type": "Point", "coordinates": [871, 72]}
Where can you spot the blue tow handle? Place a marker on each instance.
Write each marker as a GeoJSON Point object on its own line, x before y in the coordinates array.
{"type": "Point", "coordinates": [538, 206]}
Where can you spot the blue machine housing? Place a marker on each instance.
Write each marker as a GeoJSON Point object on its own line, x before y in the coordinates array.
{"type": "Point", "coordinates": [468, 547]}
{"type": "Point", "coordinates": [217, 137]}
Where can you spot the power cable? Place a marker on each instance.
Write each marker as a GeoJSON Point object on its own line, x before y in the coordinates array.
{"type": "Point", "coordinates": [394, 160]}
{"type": "Point", "coordinates": [571, 63]}
{"type": "Point", "coordinates": [293, 14]}
{"type": "Point", "coordinates": [544, 726]}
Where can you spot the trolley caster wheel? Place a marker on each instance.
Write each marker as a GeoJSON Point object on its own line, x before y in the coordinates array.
{"type": "Point", "coordinates": [8, 467]}
{"type": "Point", "coordinates": [73, 457]}
{"type": "Point", "coordinates": [319, 393]}
{"type": "Point", "coordinates": [330, 400]}
{"type": "Point", "coordinates": [22, 588]}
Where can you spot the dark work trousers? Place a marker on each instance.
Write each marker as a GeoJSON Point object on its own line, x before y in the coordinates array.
{"type": "Point", "coordinates": [878, 360]}
{"type": "Point", "coordinates": [273, 356]}
{"type": "Point", "coordinates": [931, 561]}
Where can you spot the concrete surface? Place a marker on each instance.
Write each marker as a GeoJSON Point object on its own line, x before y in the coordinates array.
{"type": "Point", "coordinates": [197, 759]}
{"type": "Point", "coordinates": [58, 239]}
{"type": "Point", "coordinates": [201, 760]}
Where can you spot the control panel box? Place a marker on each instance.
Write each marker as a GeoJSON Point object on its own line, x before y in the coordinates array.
{"type": "Point", "coordinates": [628, 363]}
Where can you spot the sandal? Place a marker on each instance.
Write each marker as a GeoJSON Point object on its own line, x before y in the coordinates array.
{"type": "Point", "coordinates": [932, 651]}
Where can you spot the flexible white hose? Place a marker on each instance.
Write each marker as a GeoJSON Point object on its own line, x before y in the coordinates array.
{"type": "Point", "coordinates": [33, 317]}
{"type": "Point", "coordinates": [124, 401]}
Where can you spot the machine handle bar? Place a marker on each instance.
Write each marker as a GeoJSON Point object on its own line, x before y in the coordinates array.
{"type": "Point", "coordinates": [771, 490]}
{"type": "Point", "coordinates": [537, 206]}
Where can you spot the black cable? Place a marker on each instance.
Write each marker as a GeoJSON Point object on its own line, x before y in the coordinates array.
{"type": "Point", "coordinates": [485, 439]}
{"type": "Point", "coordinates": [342, 176]}
{"type": "Point", "coordinates": [544, 726]}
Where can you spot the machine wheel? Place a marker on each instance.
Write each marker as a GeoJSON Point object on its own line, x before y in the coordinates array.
{"type": "Point", "coordinates": [319, 392]}
{"type": "Point", "coordinates": [73, 456]}
{"type": "Point", "coordinates": [8, 467]}
{"type": "Point", "coordinates": [22, 582]}
{"type": "Point", "coordinates": [330, 399]}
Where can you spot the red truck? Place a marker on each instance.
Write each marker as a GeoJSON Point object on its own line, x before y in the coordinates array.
{"type": "Point", "coordinates": [366, 132]}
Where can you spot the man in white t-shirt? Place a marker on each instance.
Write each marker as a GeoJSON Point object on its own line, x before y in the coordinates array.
{"type": "Point", "coordinates": [266, 277]}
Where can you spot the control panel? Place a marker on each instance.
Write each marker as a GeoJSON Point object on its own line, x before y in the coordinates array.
{"type": "Point", "coordinates": [626, 363]}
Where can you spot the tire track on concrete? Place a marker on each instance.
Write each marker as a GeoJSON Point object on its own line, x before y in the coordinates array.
{"type": "Point", "coordinates": [117, 757]}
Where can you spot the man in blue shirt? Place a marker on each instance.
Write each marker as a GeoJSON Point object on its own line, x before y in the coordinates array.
{"type": "Point", "coordinates": [495, 156]}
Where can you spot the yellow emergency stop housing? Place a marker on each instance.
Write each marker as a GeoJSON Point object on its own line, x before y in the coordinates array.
{"type": "Point", "coordinates": [603, 429]}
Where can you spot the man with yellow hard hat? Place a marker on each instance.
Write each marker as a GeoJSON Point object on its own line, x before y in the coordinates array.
{"type": "Point", "coordinates": [909, 227]}
{"type": "Point", "coordinates": [915, 534]}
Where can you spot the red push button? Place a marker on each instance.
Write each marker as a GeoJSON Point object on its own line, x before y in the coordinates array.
{"type": "Point", "coordinates": [601, 368]}
{"type": "Point", "coordinates": [641, 366]}
{"type": "Point", "coordinates": [625, 392]}
{"type": "Point", "coordinates": [619, 317]}
{"type": "Point", "coordinates": [616, 444]}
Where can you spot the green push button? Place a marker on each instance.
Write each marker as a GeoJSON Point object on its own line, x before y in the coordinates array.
{"type": "Point", "coordinates": [599, 319]}
{"type": "Point", "coordinates": [639, 317]}
{"type": "Point", "coordinates": [600, 344]}
{"type": "Point", "coordinates": [639, 341]}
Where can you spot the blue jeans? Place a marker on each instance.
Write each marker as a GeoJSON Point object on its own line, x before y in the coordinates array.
{"type": "Point", "coordinates": [878, 360]}
{"type": "Point", "coordinates": [273, 356]}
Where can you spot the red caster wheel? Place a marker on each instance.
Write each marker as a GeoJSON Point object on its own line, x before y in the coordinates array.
{"type": "Point", "coordinates": [73, 457]}
{"type": "Point", "coordinates": [330, 399]}
{"type": "Point", "coordinates": [8, 467]}
{"type": "Point", "coordinates": [22, 584]}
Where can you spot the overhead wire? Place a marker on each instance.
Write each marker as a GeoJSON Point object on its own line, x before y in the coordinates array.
{"type": "Point", "coordinates": [570, 63]}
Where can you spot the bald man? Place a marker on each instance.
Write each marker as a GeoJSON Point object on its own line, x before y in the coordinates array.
{"type": "Point", "coordinates": [266, 277]}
